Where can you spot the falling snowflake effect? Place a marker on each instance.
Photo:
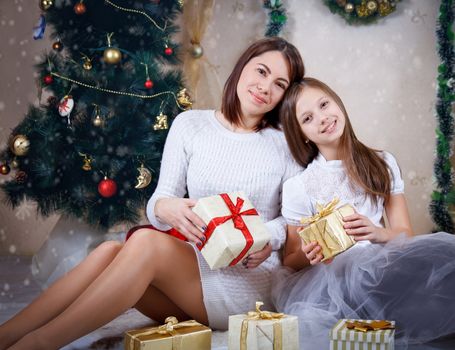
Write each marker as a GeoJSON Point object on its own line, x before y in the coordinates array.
{"type": "Point", "coordinates": [24, 211]}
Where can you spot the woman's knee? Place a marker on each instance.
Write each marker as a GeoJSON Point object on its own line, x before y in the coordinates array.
{"type": "Point", "coordinates": [108, 248]}
{"type": "Point", "coordinates": [151, 241]}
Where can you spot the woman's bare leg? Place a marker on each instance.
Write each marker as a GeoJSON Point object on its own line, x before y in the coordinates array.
{"type": "Point", "coordinates": [59, 295]}
{"type": "Point", "coordinates": [146, 258]}
{"type": "Point", "coordinates": [157, 305]}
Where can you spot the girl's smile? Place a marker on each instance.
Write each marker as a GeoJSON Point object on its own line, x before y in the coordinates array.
{"type": "Point", "coordinates": [330, 128]}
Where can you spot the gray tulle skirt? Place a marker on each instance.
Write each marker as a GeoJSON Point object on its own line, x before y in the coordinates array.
{"type": "Point", "coordinates": [409, 280]}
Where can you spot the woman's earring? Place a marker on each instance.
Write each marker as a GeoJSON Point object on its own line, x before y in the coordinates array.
{"type": "Point", "coordinates": [307, 141]}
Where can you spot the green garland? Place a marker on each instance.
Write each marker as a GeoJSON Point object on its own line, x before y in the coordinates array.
{"type": "Point", "coordinates": [277, 17]}
{"type": "Point", "coordinates": [444, 196]}
{"type": "Point", "coordinates": [362, 11]}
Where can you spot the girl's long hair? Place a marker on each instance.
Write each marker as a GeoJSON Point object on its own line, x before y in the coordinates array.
{"type": "Point", "coordinates": [364, 166]}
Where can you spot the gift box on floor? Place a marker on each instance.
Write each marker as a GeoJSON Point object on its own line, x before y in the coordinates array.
{"type": "Point", "coordinates": [234, 229]}
{"type": "Point", "coordinates": [173, 335]}
{"type": "Point", "coordinates": [326, 227]}
{"type": "Point", "coordinates": [363, 335]}
{"type": "Point", "coordinates": [263, 330]}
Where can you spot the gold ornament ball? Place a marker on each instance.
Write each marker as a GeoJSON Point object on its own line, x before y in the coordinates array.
{"type": "Point", "coordinates": [349, 8]}
{"type": "Point", "coordinates": [196, 51]}
{"type": "Point", "coordinates": [112, 55]}
{"type": "Point", "coordinates": [20, 145]}
{"type": "Point", "coordinates": [57, 46]}
{"type": "Point", "coordinates": [87, 65]}
{"type": "Point", "coordinates": [372, 5]}
{"type": "Point", "coordinates": [45, 4]}
{"type": "Point", "coordinates": [4, 169]}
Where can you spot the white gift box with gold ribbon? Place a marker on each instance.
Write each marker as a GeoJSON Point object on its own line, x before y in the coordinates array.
{"type": "Point", "coordinates": [234, 228]}
{"type": "Point", "coordinates": [263, 330]}
{"type": "Point", "coordinates": [361, 336]}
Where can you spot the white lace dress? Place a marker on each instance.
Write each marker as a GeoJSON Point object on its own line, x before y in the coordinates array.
{"type": "Point", "coordinates": [409, 280]}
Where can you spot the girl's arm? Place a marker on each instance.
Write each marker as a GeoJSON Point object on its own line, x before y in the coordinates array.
{"type": "Point", "coordinates": [293, 255]}
{"type": "Point", "coordinates": [397, 214]}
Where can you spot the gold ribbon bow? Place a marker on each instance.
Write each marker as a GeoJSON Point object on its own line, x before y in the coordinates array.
{"type": "Point", "coordinates": [367, 327]}
{"type": "Point", "coordinates": [322, 211]}
{"type": "Point", "coordinates": [263, 315]}
{"type": "Point", "coordinates": [171, 323]}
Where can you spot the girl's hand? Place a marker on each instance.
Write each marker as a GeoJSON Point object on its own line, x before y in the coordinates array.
{"type": "Point", "coordinates": [313, 252]}
{"type": "Point", "coordinates": [176, 212]}
{"type": "Point", "coordinates": [362, 229]}
{"type": "Point", "coordinates": [255, 259]}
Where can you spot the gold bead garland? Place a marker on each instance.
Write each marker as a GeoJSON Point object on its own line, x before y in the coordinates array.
{"type": "Point", "coordinates": [137, 11]}
{"type": "Point", "coordinates": [120, 92]}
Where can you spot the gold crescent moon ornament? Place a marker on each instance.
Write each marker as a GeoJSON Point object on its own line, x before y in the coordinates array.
{"type": "Point", "coordinates": [144, 178]}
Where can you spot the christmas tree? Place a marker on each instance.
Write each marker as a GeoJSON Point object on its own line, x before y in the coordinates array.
{"type": "Point", "coordinates": [93, 150]}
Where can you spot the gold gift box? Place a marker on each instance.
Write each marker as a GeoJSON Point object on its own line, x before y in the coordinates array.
{"type": "Point", "coordinates": [173, 335]}
{"type": "Point", "coordinates": [327, 229]}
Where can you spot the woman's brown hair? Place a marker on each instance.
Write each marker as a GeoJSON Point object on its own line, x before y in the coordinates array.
{"type": "Point", "coordinates": [230, 104]}
{"type": "Point", "coordinates": [368, 170]}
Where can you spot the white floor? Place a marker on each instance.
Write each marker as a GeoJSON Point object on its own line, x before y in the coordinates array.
{"type": "Point", "coordinates": [18, 288]}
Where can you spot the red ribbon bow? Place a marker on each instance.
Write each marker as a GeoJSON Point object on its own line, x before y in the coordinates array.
{"type": "Point", "coordinates": [239, 224]}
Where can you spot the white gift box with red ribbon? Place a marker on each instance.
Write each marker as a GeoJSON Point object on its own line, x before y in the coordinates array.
{"type": "Point", "coordinates": [234, 229]}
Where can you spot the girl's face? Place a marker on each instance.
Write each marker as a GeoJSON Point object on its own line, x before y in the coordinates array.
{"type": "Point", "coordinates": [262, 83]}
{"type": "Point", "coordinates": [320, 117]}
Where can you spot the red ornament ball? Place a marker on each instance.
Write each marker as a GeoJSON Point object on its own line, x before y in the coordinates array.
{"type": "Point", "coordinates": [4, 169]}
{"type": "Point", "coordinates": [107, 187]}
{"type": "Point", "coordinates": [168, 51]}
{"type": "Point", "coordinates": [148, 84]}
{"type": "Point", "coordinates": [80, 8]}
{"type": "Point", "coordinates": [48, 80]}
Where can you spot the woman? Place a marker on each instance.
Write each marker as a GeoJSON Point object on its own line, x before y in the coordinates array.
{"type": "Point", "coordinates": [206, 153]}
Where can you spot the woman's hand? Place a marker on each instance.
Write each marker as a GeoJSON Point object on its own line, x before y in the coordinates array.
{"type": "Point", "coordinates": [255, 259]}
{"type": "Point", "coordinates": [176, 212]}
{"type": "Point", "coordinates": [362, 229]}
{"type": "Point", "coordinates": [313, 252]}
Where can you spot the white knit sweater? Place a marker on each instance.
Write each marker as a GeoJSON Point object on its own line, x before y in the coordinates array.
{"type": "Point", "coordinates": [202, 158]}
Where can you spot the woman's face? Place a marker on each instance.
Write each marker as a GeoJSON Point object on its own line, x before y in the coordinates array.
{"type": "Point", "coordinates": [262, 83]}
{"type": "Point", "coordinates": [320, 118]}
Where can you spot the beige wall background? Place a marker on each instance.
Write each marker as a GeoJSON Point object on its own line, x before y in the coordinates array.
{"type": "Point", "coordinates": [385, 73]}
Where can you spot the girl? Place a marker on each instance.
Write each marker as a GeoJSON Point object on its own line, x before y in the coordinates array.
{"type": "Point", "coordinates": [206, 153]}
{"type": "Point", "coordinates": [407, 279]}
